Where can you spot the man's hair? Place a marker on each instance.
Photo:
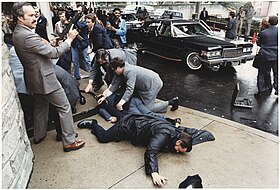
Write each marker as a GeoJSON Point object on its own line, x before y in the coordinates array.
{"type": "Point", "coordinates": [273, 20]}
{"type": "Point", "coordinates": [17, 10]}
{"type": "Point", "coordinates": [117, 9]}
{"type": "Point", "coordinates": [116, 62]}
{"type": "Point", "coordinates": [186, 141]}
{"type": "Point", "coordinates": [101, 54]}
{"type": "Point", "coordinates": [232, 14]}
{"type": "Point", "coordinates": [91, 16]}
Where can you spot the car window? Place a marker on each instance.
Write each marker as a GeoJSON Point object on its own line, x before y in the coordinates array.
{"type": "Point", "coordinates": [128, 17]}
{"type": "Point", "coordinates": [192, 29]}
{"type": "Point", "coordinates": [181, 31]}
{"type": "Point", "coordinates": [165, 30]}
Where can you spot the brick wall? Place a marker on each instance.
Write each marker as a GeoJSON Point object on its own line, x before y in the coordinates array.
{"type": "Point", "coordinates": [17, 155]}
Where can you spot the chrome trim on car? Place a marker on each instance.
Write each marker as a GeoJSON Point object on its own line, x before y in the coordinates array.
{"type": "Point", "coordinates": [225, 60]}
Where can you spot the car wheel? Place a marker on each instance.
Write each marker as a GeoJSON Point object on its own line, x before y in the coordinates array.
{"type": "Point", "coordinates": [192, 61]}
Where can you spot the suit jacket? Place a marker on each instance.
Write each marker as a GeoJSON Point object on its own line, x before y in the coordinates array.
{"type": "Point", "coordinates": [202, 17]}
{"type": "Point", "coordinates": [269, 43]}
{"type": "Point", "coordinates": [35, 55]}
{"type": "Point", "coordinates": [138, 78]}
{"type": "Point", "coordinates": [127, 55]}
{"type": "Point", "coordinates": [99, 37]}
{"type": "Point", "coordinates": [231, 28]}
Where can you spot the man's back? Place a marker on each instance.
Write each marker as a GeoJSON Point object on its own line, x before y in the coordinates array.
{"type": "Point", "coordinates": [35, 55]}
{"type": "Point", "coordinates": [140, 129]}
{"type": "Point", "coordinates": [269, 43]}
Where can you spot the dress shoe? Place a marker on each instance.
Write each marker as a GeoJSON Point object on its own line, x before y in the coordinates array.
{"type": "Point", "coordinates": [74, 146]}
{"type": "Point", "coordinates": [82, 100]}
{"type": "Point", "coordinates": [86, 124]}
{"type": "Point", "coordinates": [59, 137]}
{"type": "Point", "coordinates": [38, 141]}
{"type": "Point", "coordinates": [178, 120]}
{"type": "Point", "coordinates": [99, 86]}
{"type": "Point", "coordinates": [174, 102]}
{"type": "Point", "coordinates": [276, 92]}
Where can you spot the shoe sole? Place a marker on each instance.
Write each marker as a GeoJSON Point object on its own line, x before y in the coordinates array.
{"type": "Point", "coordinates": [70, 149]}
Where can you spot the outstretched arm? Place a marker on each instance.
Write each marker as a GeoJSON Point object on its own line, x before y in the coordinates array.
{"type": "Point", "coordinates": [151, 163]}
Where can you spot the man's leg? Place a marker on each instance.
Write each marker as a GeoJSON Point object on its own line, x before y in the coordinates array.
{"type": "Point", "coordinates": [136, 106]}
{"type": "Point", "coordinates": [104, 136]}
{"type": "Point", "coordinates": [275, 75]}
{"type": "Point", "coordinates": [150, 98]}
{"type": "Point", "coordinates": [86, 59]}
{"type": "Point", "coordinates": [75, 60]}
{"type": "Point", "coordinates": [60, 101]}
{"type": "Point", "coordinates": [41, 112]}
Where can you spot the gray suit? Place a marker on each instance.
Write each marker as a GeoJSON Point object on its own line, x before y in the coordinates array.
{"type": "Point", "coordinates": [147, 84]}
{"type": "Point", "coordinates": [40, 79]}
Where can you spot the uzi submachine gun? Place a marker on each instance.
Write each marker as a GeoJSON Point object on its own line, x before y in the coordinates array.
{"type": "Point", "coordinates": [65, 31]}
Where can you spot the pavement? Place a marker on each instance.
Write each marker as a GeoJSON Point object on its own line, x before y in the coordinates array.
{"type": "Point", "coordinates": [239, 157]}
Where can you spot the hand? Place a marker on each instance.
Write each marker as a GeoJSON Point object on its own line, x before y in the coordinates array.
{"type": "Point", "coordinates": [88, 88]}
{"type": "Point", "coordinates": [119, 106]}
{"type": "Point", "coordinates": [107, 92]}
{"type": "Point", "coordinates": [157, 179]}
{"type": "Point", "coordinates": [101, 100]}
{"type": "Point", "coordinates": [89, 51]}
{"type": "Point", "coordinates": [72, 33]}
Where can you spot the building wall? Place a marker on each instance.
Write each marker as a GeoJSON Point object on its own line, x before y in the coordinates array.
{"type": "Point", "coordinates": [17, 155]}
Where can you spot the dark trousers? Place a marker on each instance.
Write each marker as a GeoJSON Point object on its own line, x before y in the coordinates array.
{"type": "Point", "coordinates": [275, 74]}
{"type": "Point", "coordinates": [105, 136]}
{"type": "Point", "coordinates": [264, 77]}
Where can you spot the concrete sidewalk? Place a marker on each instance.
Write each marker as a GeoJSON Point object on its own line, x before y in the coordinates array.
{"type": "Point", "coordinates": [240, 157]}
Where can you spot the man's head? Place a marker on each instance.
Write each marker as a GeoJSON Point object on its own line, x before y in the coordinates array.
{"type": "Point", "coordinates": [37, 12]}
{"type": "Point", "coordinates": [273, 20]}
{"type": "Point", "coordinates": [117, 13]}
{"type": "Point", "coordinates": [183, 143]}
{"type": "Point", "coordinates": [231, 14]}
{"type": "Point", "coordinates": [117, 64]}
{"type": "Point", "coordinates": [101, 56]}
{"type": "Point", "coordinates": [24, 14]}
{"type": "Point", "coordinates": [62, 17]}
{"type": "Point", "coordinates": [90, 19]}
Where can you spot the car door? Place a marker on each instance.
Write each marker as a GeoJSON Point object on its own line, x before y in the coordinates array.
{"type": "Point", "coordinates": [166, 42]}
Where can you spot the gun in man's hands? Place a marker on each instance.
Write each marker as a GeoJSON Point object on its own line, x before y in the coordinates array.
{"type": "Point", "coordinates": [65, 31]}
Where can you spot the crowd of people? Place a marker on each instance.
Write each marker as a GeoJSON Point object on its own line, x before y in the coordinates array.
{"type": "Point", "coordinates": [46, 85]}
{"type": "Point", "coordinates": [267, 41]}
{"type": "Point", "coordinates": [51, 88]}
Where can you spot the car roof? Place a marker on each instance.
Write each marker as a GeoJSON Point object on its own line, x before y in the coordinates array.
{"type": "Point", "coordinates": [178, 21]}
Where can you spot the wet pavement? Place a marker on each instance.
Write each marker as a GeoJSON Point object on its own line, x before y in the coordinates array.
{"type": "Point", "coordinates": [211, 92]}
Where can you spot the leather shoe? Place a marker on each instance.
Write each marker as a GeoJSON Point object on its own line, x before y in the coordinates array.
{"type": "Point", "coordinates": [276, 92]}
{"type": "Point", "coordinates": [38, 141]}
{"type": "Point", "coordinates": [74, 146]}
{"type": "Point", "coordinates": [86, 124]}
{"type": "Point", "coordinates": [174, 102]}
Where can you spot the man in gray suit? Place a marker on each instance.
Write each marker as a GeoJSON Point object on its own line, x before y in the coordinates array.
{"type": "Point", "coordinates": [144, 82]}
{"type": "Point", "coordinates": [35, 54]}
{"type": "Point", "coordinates": [102, 59]}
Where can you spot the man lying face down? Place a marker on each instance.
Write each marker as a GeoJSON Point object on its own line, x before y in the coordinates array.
{"type": "Point", "coordinates": [157, 134]}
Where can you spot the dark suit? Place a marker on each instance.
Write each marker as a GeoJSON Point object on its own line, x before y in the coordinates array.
{"type": "Point", "coordinates": [231, 29]}
{"type": "Point", "coordinates": [99, 38]}
{"type": "Point", "coordinates": [40, 79]}
{"type": "Point", "coordinates": [268, 42]}
{"type": "Point", "coordinates": [203, 15]}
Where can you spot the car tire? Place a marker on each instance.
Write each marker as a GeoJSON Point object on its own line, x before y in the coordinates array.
{"type": "Point", "coordinates": [192, 61]}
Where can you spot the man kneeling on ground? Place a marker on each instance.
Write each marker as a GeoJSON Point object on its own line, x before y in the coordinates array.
{"type": "Point", "coordinates": [156, 134]}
